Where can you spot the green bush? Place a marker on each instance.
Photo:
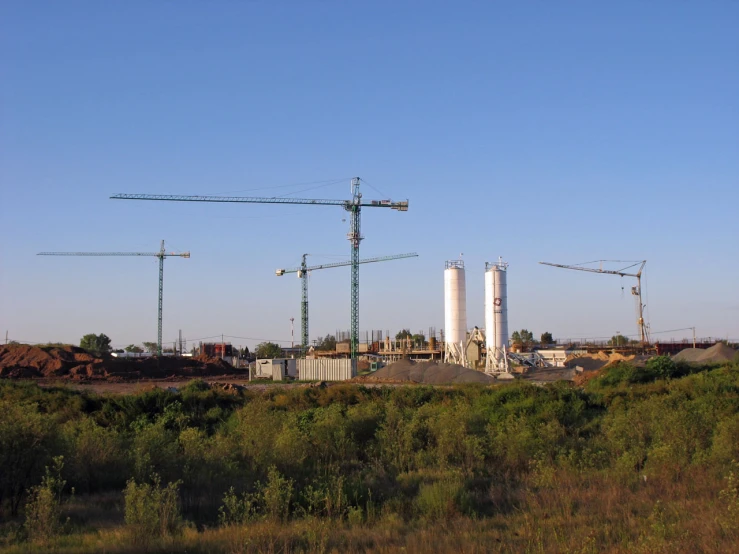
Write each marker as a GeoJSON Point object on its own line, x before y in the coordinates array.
{"type": "Point", "coordinates": [43, 509]}
{"type": "Point", "coordinates": [237, 510]}
{"type": "Point", "coordinates": [27, 441]}
{"type": "Point", "coordinates": [662, 367]}
{"type": "Point", "coordinates": [443, 499]}
{"type": "Point", "coordinates": [277, 494]}
{"type": "Point", "coordinates": [152, 510]}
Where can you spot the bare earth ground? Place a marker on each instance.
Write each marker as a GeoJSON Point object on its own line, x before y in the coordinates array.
{"type": "Point", "coordinates": [130, 387]}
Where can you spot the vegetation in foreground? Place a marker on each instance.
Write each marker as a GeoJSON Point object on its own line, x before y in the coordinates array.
{"type": "Point", "coordinates": [640, 460]}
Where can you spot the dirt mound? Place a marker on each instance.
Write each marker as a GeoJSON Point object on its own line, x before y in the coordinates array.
{"type": "Point", "coordinates": [429, 373]}
{"type": "Point", "coordinates": [718, 353]}
{"type": "Point", "coordinates": [20, 361]}
{"type": "Point", "coordinates": [24, 361]}
{"type": "Point", "coordinates": [581, 379]}
{"type": "Point", "coordinates": [597, 360]}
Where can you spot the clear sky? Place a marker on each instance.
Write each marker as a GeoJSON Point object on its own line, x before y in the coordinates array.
{"type": "Point", "coordinates": [561, 131]}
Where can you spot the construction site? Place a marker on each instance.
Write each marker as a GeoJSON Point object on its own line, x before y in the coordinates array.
{"type": "Point", "coordinates": [458, 353]}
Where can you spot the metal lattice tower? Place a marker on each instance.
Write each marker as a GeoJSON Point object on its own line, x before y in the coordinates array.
{"type": "Point", "coordinates": [355, 237]}
{"type": "Point", "coordinates": [161, 255]}
{"type": "Point", "coordinates": [303, 271]}
{"type": "Point", "coordinates": [304, 335]}
{"type": "Point", "coordinates": [353, 206]}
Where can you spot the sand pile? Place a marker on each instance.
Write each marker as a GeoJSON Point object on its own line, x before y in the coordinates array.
{"type": "Point", "coordinates": [598, 360]}
{"type": "Point", "coordinates": [718, 353]}
{"type": "Point", "coordinates": [20, 361]}
{"type": "Point", "coordinates": [429, 373]}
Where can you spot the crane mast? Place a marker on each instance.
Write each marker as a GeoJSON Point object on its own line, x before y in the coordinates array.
{"type": "Point", "coordinates": [303, 271]}
{"type": "Point", "coordinates": [635, 291]}
{"type": "Point", "coordinates": [161, 255]}
{"type": "Point", "coordinates": [353, 206]}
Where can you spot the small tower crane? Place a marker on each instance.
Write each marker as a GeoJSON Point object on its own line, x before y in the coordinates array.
{"type": "Point", "coordinates": [303, 272]}
{"type": "Point", "coordinates": [635, 291]}
{"type": "Point", "coordinates": [161, 255]}
{"type": "Point", "coordinates": [353, 206]}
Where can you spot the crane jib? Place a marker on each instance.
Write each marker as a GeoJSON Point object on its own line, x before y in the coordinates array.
{"type": "Point", "coordinates": [347, 204]}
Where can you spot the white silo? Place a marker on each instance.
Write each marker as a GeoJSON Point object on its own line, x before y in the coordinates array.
{"type": "Point", "coordinates": [455, 313]}
{"type": "Point", "coordinates": [496, 316]}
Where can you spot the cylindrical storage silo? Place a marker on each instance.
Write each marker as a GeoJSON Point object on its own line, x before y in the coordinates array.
{"type": "Point", "coordinates": [496, 316]}
{"type": "Point", "coordinates": [455, 312]}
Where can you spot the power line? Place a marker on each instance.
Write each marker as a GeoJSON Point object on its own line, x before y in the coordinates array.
{"type": "Point", "coordinates": [330, 181]}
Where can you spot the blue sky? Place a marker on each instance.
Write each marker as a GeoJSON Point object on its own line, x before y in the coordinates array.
{"type": "Point", "coordinates": [558, 131]}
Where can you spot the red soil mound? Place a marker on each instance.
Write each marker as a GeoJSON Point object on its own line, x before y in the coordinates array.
{"type": "Point", "coordinates": [20, 361]}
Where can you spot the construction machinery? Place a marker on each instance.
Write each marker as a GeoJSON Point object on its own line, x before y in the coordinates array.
{"type": "Point", "coordinates": [161, 255]}
{"type": "Point", "coordinates": [353, 206]}
{"type": "Point", "coordinates": [303, 272]}
{"type": "Point", "coordinates": [635, 291]}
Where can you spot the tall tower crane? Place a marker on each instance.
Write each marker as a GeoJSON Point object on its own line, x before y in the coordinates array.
{"type": "Point", "coordinates": [353, 206]}
{"type": "Point", "coordinates": [161, 255]}
{"type": "Point", "coordinates": [303, 271]}
{"type": "Point", "coordinates": [635, 291]}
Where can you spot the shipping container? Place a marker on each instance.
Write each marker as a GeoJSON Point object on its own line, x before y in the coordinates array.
{"type": "Point", "coordinates": [279, 367]}
{"type": "Point", "coordinates": [326, 370]}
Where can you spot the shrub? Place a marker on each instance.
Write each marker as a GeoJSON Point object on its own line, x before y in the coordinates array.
{"type": "Point", "coordinates": [442, 499]}
{"type": "Point", "coordinates": [237, 510]}
{"type": "Point", "coordinates": [152, 510]}
{"type": "Point", "coordinates": [27, 440]}
{"type": "Point", "coordinates": [43, 510]}
{"type": "Point", "coordinates": [662, 367]}
{"type": "Point", "coordinates": [730, 496]}
{"type": "Point", "coordinates": [277, 494]}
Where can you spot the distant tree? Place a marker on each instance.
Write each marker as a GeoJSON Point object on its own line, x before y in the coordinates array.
{"type": "Point", "coordinates": [326, 343]}
{"type": "Point", "coordinates": [403, 334]}
{"type": "Point", "coordinates": [546, 338]}
{"type": "Point", "coordinates": [95, 343]}
{"type": "Point", "coordinates": [618, 340]}
{"type": "Point", "coordinates": [523, 338]}
{"type": "Point", "coordinates": [419, 340]}
{"type": "Point", "coordinates": [268, 350]}
{"type": "Point", "coordinates": [133, 348]}
{"type": "Point", "coordinates": [244, 352]}
{"type": "Point", "coordinates": [150, 347]}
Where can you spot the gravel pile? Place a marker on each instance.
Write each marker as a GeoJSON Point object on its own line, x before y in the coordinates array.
{"type": "Point", "coordinates": [718, 353]}
{"type": "Point", "coordinates": [430, 373]}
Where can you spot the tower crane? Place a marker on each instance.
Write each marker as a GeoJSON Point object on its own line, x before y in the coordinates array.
{"type": "Point", "coordinates": [303, 271]}
{"type": "Point", "coordinates": [353, 206]}
{"type": "Point", "coordinates": [161, 255]}
{"type": "Point", "coordinates": [635, 291]}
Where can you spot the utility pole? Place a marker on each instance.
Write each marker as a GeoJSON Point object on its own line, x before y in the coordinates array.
{"type": "Point", "coordinates": [693, 337]}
